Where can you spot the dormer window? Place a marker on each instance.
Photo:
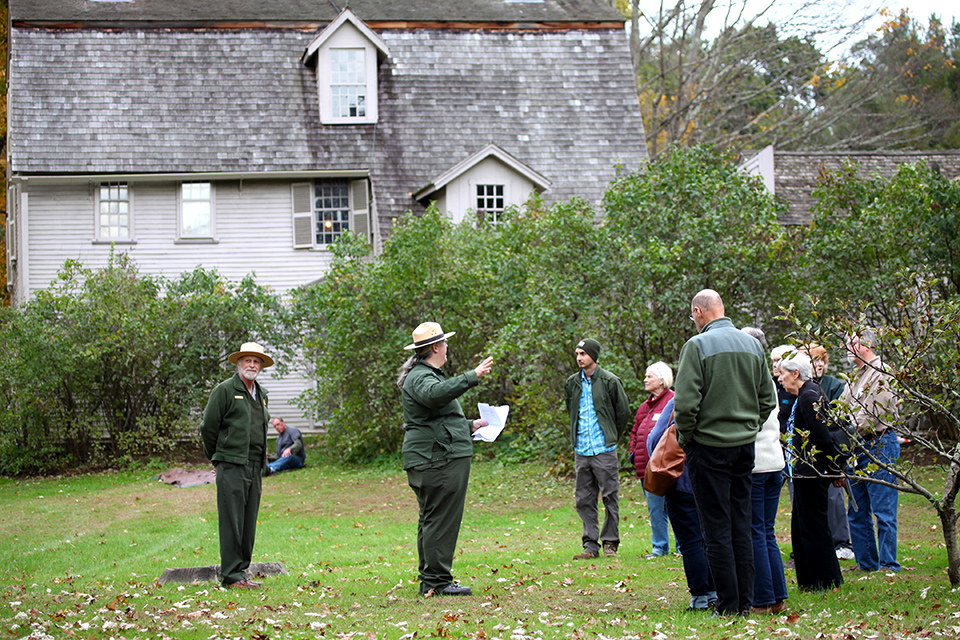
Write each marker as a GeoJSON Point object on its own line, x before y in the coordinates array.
{"type": "Point", "coordinates": [348, 88]}
{"type": "Point", "coordinates": [346, 54]}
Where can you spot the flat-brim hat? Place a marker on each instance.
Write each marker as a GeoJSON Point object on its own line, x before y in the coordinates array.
{"type": "Point", "coordinates": [251, 349]}
{"type": "Point", "coordinates": [428, 333]}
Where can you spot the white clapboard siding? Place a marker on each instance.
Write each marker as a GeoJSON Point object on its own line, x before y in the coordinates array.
{"type": "Point", "coordinates": [254, 235]}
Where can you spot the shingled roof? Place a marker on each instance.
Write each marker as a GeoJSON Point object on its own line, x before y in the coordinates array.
{"type": "Point", "coordinates": [141, 99]}
{"type": "Point", "coordinates": [182, 12]}
{"type": "Point", "coordinates": [796, 172]}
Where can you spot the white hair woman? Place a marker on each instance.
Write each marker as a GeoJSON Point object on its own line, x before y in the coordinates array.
{"type": "Point", "coordinates": [658, 382]}
{"type": "Point", "coordinates": [814, 458]}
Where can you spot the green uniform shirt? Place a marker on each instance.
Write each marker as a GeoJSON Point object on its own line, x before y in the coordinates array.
{"type": "Point", "coordinates": [436, 428]}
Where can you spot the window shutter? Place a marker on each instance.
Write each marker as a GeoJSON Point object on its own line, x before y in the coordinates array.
{"type": "Point", "coordinates": [302, 215]}
{"type": "Point", "coordinates": [359, 199]}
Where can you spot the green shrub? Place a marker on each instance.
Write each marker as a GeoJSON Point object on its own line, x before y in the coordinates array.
{"type": "Point", "coordinates": [110, 362]}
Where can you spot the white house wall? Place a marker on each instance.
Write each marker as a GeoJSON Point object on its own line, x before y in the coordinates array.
{"type": "Point", "coordinates": [253, 227]}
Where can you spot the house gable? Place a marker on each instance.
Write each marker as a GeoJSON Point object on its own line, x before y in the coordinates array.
{"type": "Point", "coordinates": [471, 183]}
{"type": "Point", "coordinates": [346, 56]}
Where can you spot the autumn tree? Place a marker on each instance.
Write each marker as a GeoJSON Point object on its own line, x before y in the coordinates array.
{"type": "Point", "coordinates": [900, 88]}
{"type": "Point", "coordinates": [721, 73]}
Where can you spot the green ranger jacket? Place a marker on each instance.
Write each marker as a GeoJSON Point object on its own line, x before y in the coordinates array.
{"type": "Point", "coordinates": [436, 428]}
{"type": "Point", "coordinates": [227, 430]}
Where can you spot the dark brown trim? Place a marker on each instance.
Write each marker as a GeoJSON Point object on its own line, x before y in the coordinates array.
{"type": "Point", "coordinates": [315, 26]}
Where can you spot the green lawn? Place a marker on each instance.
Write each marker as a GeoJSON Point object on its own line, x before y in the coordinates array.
{"type": "Point", "coordinates": [80, 558]}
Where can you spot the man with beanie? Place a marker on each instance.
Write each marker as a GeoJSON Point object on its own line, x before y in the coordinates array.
{"type": "Point", "coordinates": [599, 414]}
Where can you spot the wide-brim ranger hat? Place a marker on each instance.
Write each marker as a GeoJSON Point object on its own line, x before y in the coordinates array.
{"type": "Point", "coordinates": [251, 349]}
{"type": "Point", "coordinates": [428, 333]}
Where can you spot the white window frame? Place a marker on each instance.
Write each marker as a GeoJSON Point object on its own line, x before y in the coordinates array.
{"type": "Point", "coordinates": [101, 235]}
{"type": "Point", "coordinates": [347, 39]}
{"type": "Point", "coordinates": [494, 215]}
{"type": "Point", "coordinates": [319, 210]}
{"type": "Point", "coordinates": [338, 82]}
{"type": "Point", "coordinates": [182, 200]}
{"type": "Point", "coordinates": [306, 212]}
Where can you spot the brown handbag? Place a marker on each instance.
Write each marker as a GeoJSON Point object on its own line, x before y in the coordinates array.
{"type": "Point", "coordinates": [665, 464]}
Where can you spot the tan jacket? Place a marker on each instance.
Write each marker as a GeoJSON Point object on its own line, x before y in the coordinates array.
{"type": "Point", "coordinates": [871, 398]}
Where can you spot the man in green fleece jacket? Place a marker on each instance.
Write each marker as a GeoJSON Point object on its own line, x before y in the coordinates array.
{"type": "Point", "coordinates": [234, 434]}
{"type": "Point", "coordinates": [723, 388]}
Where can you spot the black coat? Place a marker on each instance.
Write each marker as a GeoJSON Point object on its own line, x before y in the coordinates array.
{"type": "Point", "coordinates": [813, 445]}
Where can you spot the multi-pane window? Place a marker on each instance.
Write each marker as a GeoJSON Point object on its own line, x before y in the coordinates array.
{"type": "Point", "coordinates": [331, 203]}
{"type": "Point", "coordinates": [114, 215]}
{"type": "Point", "coordinates": [196, 210]}
{"type": "Point", "coordinates": [348, 83]}
{"type": "Point", "coordinates": [490, 202]}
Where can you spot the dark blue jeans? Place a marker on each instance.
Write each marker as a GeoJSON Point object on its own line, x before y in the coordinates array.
{"type": "Point", "coordinates": [769, 585]}
{"type": "Point", "coordinates": [722, 480]}
{"type": "Point", "coordinates": [686, 527]}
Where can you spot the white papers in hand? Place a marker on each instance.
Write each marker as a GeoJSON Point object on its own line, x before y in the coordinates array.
{"type": "Point", "coordinates": [495, 417]}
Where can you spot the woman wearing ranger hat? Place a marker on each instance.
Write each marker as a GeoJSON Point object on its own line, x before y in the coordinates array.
{"type": "Point", "coordinates": [437, 448]}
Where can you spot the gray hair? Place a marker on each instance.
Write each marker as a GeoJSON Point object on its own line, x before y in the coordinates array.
{"type": "Point", "coordinates": [868, 335]}
{"type": "Point", "coordinates": [421, 354]}
{"type": "Point", "coordinates": [662, 371]}
{"type": "Point", "coordinates": [777, 352]}
{"type": "Point", "coordinates": [798, 362]}
{"type": "Point", "coordinates": [753, 332]}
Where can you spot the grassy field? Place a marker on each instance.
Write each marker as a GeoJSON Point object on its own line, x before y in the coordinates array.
{"type": "Point", "coordinates": [80, 558]}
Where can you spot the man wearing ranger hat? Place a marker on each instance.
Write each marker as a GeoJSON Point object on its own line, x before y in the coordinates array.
{"type": "Point", "coordinates": [234, 434]}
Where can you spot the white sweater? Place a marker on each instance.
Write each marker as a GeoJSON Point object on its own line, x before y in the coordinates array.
{"type": "Point", "coordinates": [768, 452]}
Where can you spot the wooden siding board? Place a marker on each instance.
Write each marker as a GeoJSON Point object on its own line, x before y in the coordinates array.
{"type": "Point", "coordinates": [238, 12]}
{"type": "Point", "coordinates": [253, 223]}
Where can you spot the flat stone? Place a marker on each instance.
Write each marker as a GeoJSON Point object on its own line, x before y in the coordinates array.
{"type": "Point", "coordinates": [211, 573]}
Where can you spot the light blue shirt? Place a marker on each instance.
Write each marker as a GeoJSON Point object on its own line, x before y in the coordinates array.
{"type": "Point", "coordinates": [590, 439]}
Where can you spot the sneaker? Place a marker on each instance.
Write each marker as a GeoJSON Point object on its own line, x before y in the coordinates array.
{"type": "Point", "coordinates": [845, 553]}
{"type": "Point", "coordinates": [610, 550]}
{"type": "Point", "coordinates": [587, 555]}
{"type": "Point", "coordinates": [455, 590]}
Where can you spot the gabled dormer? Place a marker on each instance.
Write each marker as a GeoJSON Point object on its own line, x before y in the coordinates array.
{"type": "Point", "coordinates": [346, 55]}
{"type": "Point", "coordinates": [485, 183]}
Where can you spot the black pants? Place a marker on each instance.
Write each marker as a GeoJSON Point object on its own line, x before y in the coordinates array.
{"type": "Point", "coordinates": [813, 551]}
{"type": "Point", "coordinates": [441, 490]}
{"type": "Point", "coordinates": [722, 480]}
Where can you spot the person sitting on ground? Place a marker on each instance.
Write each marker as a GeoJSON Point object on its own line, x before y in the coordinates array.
{"type": "Point", "coordinates": [291, 453]}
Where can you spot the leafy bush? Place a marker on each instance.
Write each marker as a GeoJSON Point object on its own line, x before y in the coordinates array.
{"type": "Point", "coordinates": [526, 291]}
{"type": "Point", "coordinates": [112, 362]}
